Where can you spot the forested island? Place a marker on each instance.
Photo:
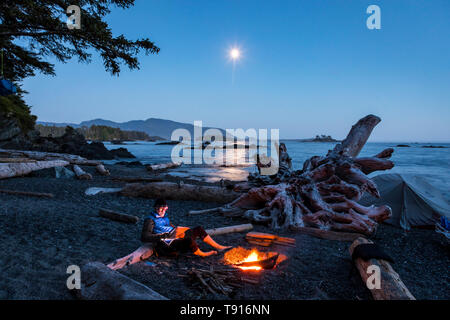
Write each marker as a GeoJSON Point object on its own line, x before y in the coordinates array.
{"type": "Point", "coordinates": [98, 133]}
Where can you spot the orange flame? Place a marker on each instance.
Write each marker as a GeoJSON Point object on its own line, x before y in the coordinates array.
{"type": "Point", "coordinates": [253, 256]}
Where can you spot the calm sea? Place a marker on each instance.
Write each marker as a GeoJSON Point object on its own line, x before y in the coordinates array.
{"type": "Point", "coordinates": [432, 163]}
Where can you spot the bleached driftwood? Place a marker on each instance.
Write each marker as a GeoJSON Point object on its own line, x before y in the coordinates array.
{"type": "Point", "coordinates": [9, 170]}
{"type": "Point", "coordinates": [182, 191]}
{"type": "Point", "coordinates": [98, 282]}
{"type": "Point", "coordinates": [102, 170]}
{"type": "Point", "coordinates": [230, 229]}
{"type": "Point", "coordinates": [392, 287]}
{"type": "Point", "coordinates": [162, 166]}
{"type": "Point", "coordinates": [47, 156]}
{"type": "Point", "coordinates": [81, 174]}
{"type": "Point", "coordinates": [118, 216]}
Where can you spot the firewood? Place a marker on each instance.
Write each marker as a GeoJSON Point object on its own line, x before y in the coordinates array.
{"type": "Point", "coordinates": [176, 191]}
{"type": "Point", "coordinates": [81, 174]}
{"type": "Point", "coordinates": [230, 229]}
{"type": "Point", "coordinates": [102, 170]}
{"type": "Point", "coordinates": [267, 239]}
{"type": "Point", "coordinates": [392, 287]}
{"type": "Point", "coordinates": [327, 234]}
{"type": "Point", "coordinates": [118, 216]}
{"type": "Point", "coordinates": [9, 170]}
{"type": "Point", "coordinates": [26, 193]}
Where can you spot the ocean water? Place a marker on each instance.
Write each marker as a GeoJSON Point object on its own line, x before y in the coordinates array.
{"type": "Point", "coordinates": [431, 163]}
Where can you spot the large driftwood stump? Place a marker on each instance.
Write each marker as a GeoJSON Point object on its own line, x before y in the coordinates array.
{"type": "Point", "coordinates": [392, 287]}
{"type": "Point", "coordinates": [324, 193]}
{"type": "Point", "coordinates": [98, 282]}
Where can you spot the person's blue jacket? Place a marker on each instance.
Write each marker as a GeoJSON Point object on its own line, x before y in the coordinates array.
{"type": "Point", "coordinates": [155, 227]}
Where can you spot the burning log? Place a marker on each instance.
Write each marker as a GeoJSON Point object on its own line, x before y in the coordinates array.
{"type": "Point", "coordinates": [99, 282]}
{"type": "Point", "coordinates": [26, 193]}
{"type": "Point", "coordinates": [179, 191]}
{"type": "Point", "coordinates": [392, 287]}
{"type": "Point", "coordinates": [118, 216]}
{"type": "Point", "coordinates": [81, 174]}
{"type": "Point", "coordinates": [15, 169]}
{"type": "Point", "coordinates": [102, 170]}
{"type": "Point", "coordinates": [324, 194]}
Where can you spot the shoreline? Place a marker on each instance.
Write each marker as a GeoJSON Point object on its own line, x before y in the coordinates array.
{"type": "Point", "coordinates": [41, 237]}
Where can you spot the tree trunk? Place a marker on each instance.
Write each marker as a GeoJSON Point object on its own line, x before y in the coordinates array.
{"type": "Point", "coordinates": [175, 191]}
{"type": "Point", "coordinates": [98, 282]}
{"type": "Point", "coordinates": [118, 216]}
{"type": "Point", "coordinates": [41, 156]}
{"type": "Point", "coordinates": [230, 229]}
{"type": "Point", "coordinates": [9, 170]}
{"type": "Point", "coordinates": [392, 287]}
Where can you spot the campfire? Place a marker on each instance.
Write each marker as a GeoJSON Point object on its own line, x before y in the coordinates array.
{"type": "Point", "coordinates": [253, 259]}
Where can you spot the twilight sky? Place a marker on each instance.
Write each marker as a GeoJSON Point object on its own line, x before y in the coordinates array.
{"type": "Point", "coordinates": [308, 67]}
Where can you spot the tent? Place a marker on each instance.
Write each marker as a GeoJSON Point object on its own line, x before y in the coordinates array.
{"type": "Point", "coordinates": [413, 200]}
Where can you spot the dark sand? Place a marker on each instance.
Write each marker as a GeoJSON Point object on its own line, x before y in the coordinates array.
{"type": "Point", "coordinates": [40, 238]}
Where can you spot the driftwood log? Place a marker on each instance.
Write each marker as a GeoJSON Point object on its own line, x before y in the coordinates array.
{"type": "Point", "coordinates": [327, 234]}
{"type": "Point", "coordinates": [230, 229]}
{"type": "Point", "coordinates": [324, 193]}
{"type": "Point", "coordinates": [16, 169]}
{"type": "Point", "coordinates": [117, 216]}
{"type": "Point", "coordinates": [392, 287]}
{"type": "Point", "coordinates": [48, 156]}
{"type": "Point", "coordinates": [179, 191]}
{"type": "Point", "coordinates": [81, 174]}
{"type": "Point", "coordinates": [27, 193]}
{"type": "Point", "coordinates": [98, 282]}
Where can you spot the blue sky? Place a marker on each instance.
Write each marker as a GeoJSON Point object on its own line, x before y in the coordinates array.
{"type": "Point", "coordinates": [308, 67]}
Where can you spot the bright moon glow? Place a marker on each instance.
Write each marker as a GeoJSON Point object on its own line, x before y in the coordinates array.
{"type": "Point", "coordinates": [234, 54]}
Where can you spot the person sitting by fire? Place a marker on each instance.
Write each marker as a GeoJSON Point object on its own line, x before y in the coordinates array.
{"type": "Point", "coordinates": [170, 240]}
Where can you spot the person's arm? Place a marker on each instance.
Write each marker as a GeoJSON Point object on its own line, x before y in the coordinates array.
{"type": "Point", "coordinates": [147, 234]}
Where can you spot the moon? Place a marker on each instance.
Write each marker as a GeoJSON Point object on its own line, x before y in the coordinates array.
{"type": "Point", "coordinates": [235, 53]}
